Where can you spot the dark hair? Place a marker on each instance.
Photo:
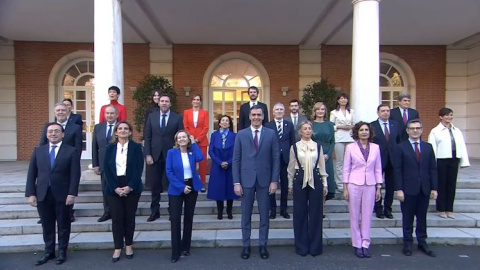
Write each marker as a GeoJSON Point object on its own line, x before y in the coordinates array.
{"type": "Point", "coordinates": [416, 120]}
{"type": "Point", "coordinates": [444, 111]}
{"type": "Point", "coordinates": [229, 121]}
{"type": "Point", "coordinates": [113, 87]}
{"type": "Point", "coordinates": [115, 138]}
{"type": "Point", "coordinates": [357, 127]}
{"type": "Point", "coordinates": [69, 100]}
{"type": "Point", "coordinates": [197, 95]}
{"type": "Point", "coordinates": [293, 101]}
{"type": "Point", "coordinates": [165, 95]}
{"type": "Point", "coordinates": [188, 136]}
{"type": "Point", "coordinates": [154, 91]}
{"type": "Point", "coordinates": [347, 107]}
{"type": "Point", "coordinates": [255, 107]}
{"type": "Point", "coordinates": [402, 96]}
{"type": "Point", "coordinates": [254, 88]}
{"type": "Point", "coordinates": [54, 124]}
{"type": "Point", "coordinates": [382, 105]}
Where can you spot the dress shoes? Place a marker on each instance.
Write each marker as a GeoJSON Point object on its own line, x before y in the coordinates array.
{"type": "Point", "coordinates": [425, 249]}
{"type": "Point", "coordinates": [153, 217]}
{"type": "Point", "coordinates": [245, 253]}
{"type": "Point", "coordinates": [359, 252]}
{"type": "Point", "coordinates": [115, 259]}
{"type": "Point", "coordinates": [263, 252]}
{"type": "Point", "coordinates": [45, 258]}
{"type": "Point", "coordinates": [366, 252]}
{"type": "Point", "coordinates": [103, 218]}
{"type": "Point", "coordinates": [273, 215]}
{"type": "Point", "coordinates": [174, 260]}
{"type": "Point", "coordinates": [203, 190]}
{"type": "Point", "coordinates": [284, 214]}
{"type": "Point", "coordinates": [129, 256]}
{"type": "Point", "coordinates": [388, 215]}
{"type": "Point", "coordinates": [186, 253]}
{"type": "Point", "coordinates": [230, 216]}
{"type": "Point", "coordinates": [380, 215]}
{"type": "Point", "coordinates": [39, 221]}
{"type": "Point", "coordinates": [407, 250]}
{"type": "Point", "coordinates": [219, 216]}
{"type": "Point", "coordinates": [62, 257]}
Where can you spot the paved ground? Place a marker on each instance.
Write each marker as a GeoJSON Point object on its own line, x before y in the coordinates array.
{"type": "Point", "coordinates": [334, 257]}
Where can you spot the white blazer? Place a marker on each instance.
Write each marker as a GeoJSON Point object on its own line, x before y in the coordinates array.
{"type": "Point", "coordinates": [439, 138]}
{"type": "Point", "coordinates": [337, 118]}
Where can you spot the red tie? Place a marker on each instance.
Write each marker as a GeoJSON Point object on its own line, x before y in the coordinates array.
{"type": "Point", "coordinates": [255, 140]}
{"type": "Point", "coordinates": [405, 116]}
{"type": "Point", "coordinates": [387, 134]}
{"type": "Point", "coordinates": [417, 151]}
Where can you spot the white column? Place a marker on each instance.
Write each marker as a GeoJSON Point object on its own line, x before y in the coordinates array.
{"type": "Point", "coordinates": [365, 95]}
{"type": "Point", "coordinates": [108, 49]}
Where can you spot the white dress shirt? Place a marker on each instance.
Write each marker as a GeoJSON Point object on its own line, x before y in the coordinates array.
{"type": "Point", "coordinates": [187, 170]}
{"type": "Point", "coordinates": [121, 159]}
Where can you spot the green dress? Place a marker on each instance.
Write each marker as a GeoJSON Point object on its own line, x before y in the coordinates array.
{"type": "Point", "coordinates": [324, 134]}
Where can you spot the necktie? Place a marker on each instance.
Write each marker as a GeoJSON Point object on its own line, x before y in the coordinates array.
{"type": "Point", "coordinates": [254, 103]}
{"type": "Point", "coordinates": [417, 151]}
{"type": "Point", "coordinates": [295, 121]}
{"type": "Point", "coordinates": [109, 133]}
{"type": "Point", "coordinates": [279, 129]}
{"type": "Point", "coordinates": [454, 145]}
{"type": "Point", "coordinates": [255, 140]}
{"type": "Point", "coordinates": [387, 133]}
{"type": "Point", "coordinates": [405, 116]}
{"type": "Point", "coordinates": [52, 156]}
{"type": "Point", "coordinates": [164, 121]}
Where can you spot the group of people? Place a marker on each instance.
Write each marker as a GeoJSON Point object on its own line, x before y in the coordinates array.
{"type": "Point", "coordinates": [289, 151]}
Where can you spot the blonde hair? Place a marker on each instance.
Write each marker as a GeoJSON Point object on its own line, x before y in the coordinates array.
{"type": "Point", "coordinates": [316, 107]}
{"type": "Point", "coordinates": [188, 136]}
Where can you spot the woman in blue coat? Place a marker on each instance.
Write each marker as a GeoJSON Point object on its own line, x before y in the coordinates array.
{"type": "Point", "coordinates": [183, 188]}
{"type": "Point", "coordinates": [220, 185]}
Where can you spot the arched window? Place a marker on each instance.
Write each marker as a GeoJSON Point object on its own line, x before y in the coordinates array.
{"type": "Point", "coordinates": [391, 83]}
{"type": "Point", "coordinates": [235, 73]}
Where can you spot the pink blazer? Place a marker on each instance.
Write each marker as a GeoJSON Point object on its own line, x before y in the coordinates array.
{"type": "Point", "coordinates": [360, 172]}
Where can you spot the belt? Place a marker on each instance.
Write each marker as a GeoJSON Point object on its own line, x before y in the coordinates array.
{"type": "Point", "coordinates": [188, 179]}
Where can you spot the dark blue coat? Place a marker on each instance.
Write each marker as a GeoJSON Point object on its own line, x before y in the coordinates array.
{"type": "Point", "coordinates": [387, 148]}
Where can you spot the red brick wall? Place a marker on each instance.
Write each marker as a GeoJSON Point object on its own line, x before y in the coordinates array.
{"type": "Point", "coordinates": [427, 62]}
{"type": "Point", "coordinates": [191, 61]}
{"type": "Point", "coordinates": [33, 64]}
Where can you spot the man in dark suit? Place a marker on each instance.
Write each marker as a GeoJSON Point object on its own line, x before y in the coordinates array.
{"type": "Point", "coordinates": [244, 118]}
{"type": "Point", "coordinates": [72, 136]}
{"type": "Point", "coordinates": [159, 136]}
{"type": "Point", "coordinates": [416, 183]}
{"type": "Point", "coordinates": [387, 136]}
{"type": "Point", "coordinates": [52, 185]}
{"type": "Point", "coordinates": [295, 117]}
{"type": "Point", "coordinates": [286, 138]}
{"type": "Point", "coordinates": [402, 114]}
{"type": "Point", "coordinates": [102, 136]}
{"type": "Point", "coordinates": [255, 170]}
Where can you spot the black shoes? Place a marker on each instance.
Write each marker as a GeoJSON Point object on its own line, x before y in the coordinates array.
{"type": "Point", "coordinates": [388, 215]}
{"type": "Point", "coordinates": [425, 249]}
{"type": "Point", "coordinates": [230, 216]}
{"type": "Point", "coordinates": [45, 258]}
{"type": "Point", "coordinates": [203, 190]}
{"type": "Point", "coordinates": [284, 214]}
{"type": "Point", "coordinates": [380, 215]}
{"type": "Point", "coordinates": [129, 256]}
{"type": "Point", "coordinates": [358, 252]}
{"type": "Point", "coordinates": [39, 221]}
{"type": "Point", "coordinates": [115, 259]}
{"type": "Point", "coordinates": [273, 215]}
{"type": "Point", "coordinates": [62, 257]}
{"type": "Point", "coordinates": [186, 253]}
{"type": "Point", "coordinates": [263, 252]}
{"type": "Point", "coordinates": [174, 260]}
{"type": "Point", "coordinates": [103, 218]}
{"type": "Point", "coordinates": [219, 216]}
{"type": "Point", "coordinates": [407, 250]}
{"type": "Point", "coordinates": [72, 217]}
{"type": "Point", "coordinates": [366, 252]}
{"type": "Point", "coordinates": [153, 217]}
{"type": "Point", "coordinates": [245, 253]}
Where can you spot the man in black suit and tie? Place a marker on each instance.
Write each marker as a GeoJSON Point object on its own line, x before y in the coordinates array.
{"type": "Point", "coordinates": [295, 117]}
{"type": "Point", "coordinates": [72, 136]}
{"type": "Point", "coordinates": [244, 118]}
{"type": "Point", "coordinates": [402, 114]}
{"type": "Point", "coordinates": [72, 117]}
{"type": "Point", "coordinates": [102, 136]}
{"type": "Point", "coordinates": [159, 134]}
{"type": "Point", "coordinates": [416, 183]}
{"type": "Point", "coordinates": [387, 136]}
{"type": "Point", "coordinates": [52, 185]}
{"type": "Point", "coordinates": [286, 138]}
{"type": "Point", "coordinates": [255, 170]}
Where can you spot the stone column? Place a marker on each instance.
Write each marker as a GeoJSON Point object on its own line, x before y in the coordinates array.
{"type": "Point", "coordinates": [365, 93]}
{"type": "Point", "coordinates": [108, 49]}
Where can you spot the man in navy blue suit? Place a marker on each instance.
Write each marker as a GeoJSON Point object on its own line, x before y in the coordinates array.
{"type": "Point", "coordinates": [52, 185]}
{"type": "Point", "coordinates": [286, 138]}
{"type": "Point", "coordinates": [403, 113]}
{"type": "Point", "coordinates": [415, 184]}
{"type": "Point", "coordinates": [387, 136]}
{"type": "Point", "coordinates": [244, 117]}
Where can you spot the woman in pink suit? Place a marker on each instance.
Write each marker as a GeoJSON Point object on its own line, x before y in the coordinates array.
{"type": "Point", "coordinates": [195, 121]}
{"type": "Point", "coordinates": [362, 180]}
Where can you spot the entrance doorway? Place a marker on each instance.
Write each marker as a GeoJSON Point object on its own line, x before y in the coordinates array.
{"type": "Point", "coordinates": [226, 102]}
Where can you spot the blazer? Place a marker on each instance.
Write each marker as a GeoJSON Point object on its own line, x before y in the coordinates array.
{"type": "Point", "coordinates": [411, 176]}
{"type": "Point", "coordinates": [99, 143]}
{"type": "Point", "coordinates": [440, 140]}
{"type": "Point", "coordinates": [300, 119]}
{"type": "Point", "coordinates": [148, 111]}
{"type": "Point", "coordinates": [397, 115]}
{"type": "Point", "coordinates": [337, 118]}
{"type": "Point", "coordinates": [64, 177]}
{"type": "Point", "coordinates": [244, 118]}
{"type": "Point", "coordinates": [386, 147]}
{"type": "Point", "coordinates": [159, 140]}
{"type": "Point", "coordinates": [199, 132]}
{"type": "Point", "coordinates": [357, 171]}
{"type": "Point", "coordinates": [174, 170]}
{"type": "Point", "coordinates": [287, 140]}
{"type": "Point", "coordinates": [134, 170]}
{"type": "Point", "coordinates": [217, 154]}
{"type": "Point", "coordinates": [72, 136]}
{"type": "Point", "coordinates": [74, 118]}
{"type": "Point", "coordinates": [249, 165]}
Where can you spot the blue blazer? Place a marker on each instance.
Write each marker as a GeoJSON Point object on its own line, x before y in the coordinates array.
{"type": "Point", "coordinates": [174, 169]}
{"type": "Point", "coordinates": [287, 140]}
{"type": "Point", "coordinates": [387, 148]}
{"type": "Point", "coordinates": [412, 176]}
{"type": "Point", "coordinates": [134, 168]}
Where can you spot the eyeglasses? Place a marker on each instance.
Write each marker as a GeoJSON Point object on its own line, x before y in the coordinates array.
{"type": "Point", "coordinates": [414, 128]}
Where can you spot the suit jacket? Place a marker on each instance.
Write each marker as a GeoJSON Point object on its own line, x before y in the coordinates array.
{"type": "Point", "coordinates": [300, 119]}
{"type": "Point", "coordinates": [134, 170]}
{"type": "Point", "coordinates": [199, 132]}
{"type": "Point", "coordinates": [412, 176]}
{"type": "Point", "coordinates": [360, 172]}
{"type": "Point", "coordinates": [75, 119]}
{"type": "Point", "coordinates": [64, 177]}
{"type": "Point", "coordinates": [159, 140]}
{"type": "Point", "coordinates": [174, 170]}
{"type": "Point", "coordinates": [249, 165]}
{"type": "Point", "coordinates": [244, 118]}
{"type": "Point", "coordinates": [387, 148]}
{"type": "Point", "coordinates": [397, 115]}
{"type": "Point", "coordinates": [287, 140]}
{"type": "Point", "coordinates": [71, 136]}
{"type": "Point", "coordinates": [148, 111]}
{"type": "Point", "coordinates": [99, 143]}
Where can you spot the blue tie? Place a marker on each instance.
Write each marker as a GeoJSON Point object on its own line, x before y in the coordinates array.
{"type": "Point", "coordinates": [52, 156]}
{"type": "Point", "coordinates": [109, 133]}
{"type": "Point", "coordinates": [163, 125]}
